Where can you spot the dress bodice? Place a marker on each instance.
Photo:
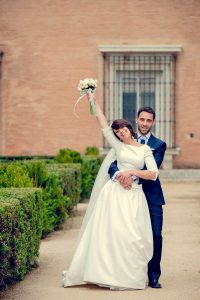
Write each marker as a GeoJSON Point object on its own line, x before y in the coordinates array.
{"type": "Point", "coordinates": [129, 156]}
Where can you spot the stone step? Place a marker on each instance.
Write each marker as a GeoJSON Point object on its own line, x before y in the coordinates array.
{"type": "Point", "coordinates": [180, 175]}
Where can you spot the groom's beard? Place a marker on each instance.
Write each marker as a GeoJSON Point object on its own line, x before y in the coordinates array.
{"type": "Point", "coordinates": [146, 131]}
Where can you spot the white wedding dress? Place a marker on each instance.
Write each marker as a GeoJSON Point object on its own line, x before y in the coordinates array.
{"type": "Point", "coordinates": [116, 244]}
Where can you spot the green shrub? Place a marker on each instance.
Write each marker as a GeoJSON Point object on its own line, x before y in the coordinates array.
{"type": "Point", "coordinates": [68, 156]}
{"type": "Point", "coordinates": [25, 157]}
{"type": "Point", "coordinates": [92, 151]}
{"type": "Point", "coordinates": [37, 171]}
{"type": "Point", "coordinates": [90, 164]}
{"type": "Point", "coordinates": [70, 176]}
{"type": "Point", "coordinates": [20, 232]}
{"type": "Point", "coordinates": [14, 175]}
{"type": "Point", "coordinates": [26, 214]}
{"type": "Point", "coordinates": [55, 203]}
{"type": "Point", "coordinates": [90, 168]}
{"type": "Point", "coordinates": [34, 173]}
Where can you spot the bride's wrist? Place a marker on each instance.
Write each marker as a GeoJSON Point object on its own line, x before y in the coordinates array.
{"type": "Point", "coordinates": [132, 173]}
{"type": "Point", "coordinates": [128, 174]}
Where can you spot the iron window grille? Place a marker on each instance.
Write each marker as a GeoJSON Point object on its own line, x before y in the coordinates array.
{"type": "Point", "coordinates": [135, 80]}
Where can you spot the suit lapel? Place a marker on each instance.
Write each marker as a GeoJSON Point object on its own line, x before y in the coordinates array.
{"type": "Point", "coordinates": [151, 141]}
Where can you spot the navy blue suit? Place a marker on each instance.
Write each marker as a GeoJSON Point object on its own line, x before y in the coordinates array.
{"type": "Point", "coordinates": [155, 199]}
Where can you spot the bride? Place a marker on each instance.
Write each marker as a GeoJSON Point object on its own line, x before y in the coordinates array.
{"type": "Point", "coordinates": [115, 241]}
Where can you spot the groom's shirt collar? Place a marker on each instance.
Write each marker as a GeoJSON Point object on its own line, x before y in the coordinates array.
{"type": "Point", "coordinates": [146, 137]}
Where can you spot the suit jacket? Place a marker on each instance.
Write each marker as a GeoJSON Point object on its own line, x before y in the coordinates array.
{"type": "Point", "coordinates": [152, 189]}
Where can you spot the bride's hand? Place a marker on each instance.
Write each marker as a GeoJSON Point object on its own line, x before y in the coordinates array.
{"type": "Point", "coordinates": [88, 97]}
{"type": "Point", "coordinates": [123, 177]}
{"type": "Point", "coordinates": [126, 183]}
{"type": "Point", "coordinates": [126, 174]}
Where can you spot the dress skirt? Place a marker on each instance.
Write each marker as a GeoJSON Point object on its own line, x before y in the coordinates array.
{"type": "Point", "coordinates": [117, 243]}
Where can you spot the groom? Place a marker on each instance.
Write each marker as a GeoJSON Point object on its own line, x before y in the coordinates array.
{"type": "Point", "coordinates": [152, 189]}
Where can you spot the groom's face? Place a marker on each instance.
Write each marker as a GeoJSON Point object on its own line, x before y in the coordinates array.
{"type": "Point", "coordinates": [145, 122]}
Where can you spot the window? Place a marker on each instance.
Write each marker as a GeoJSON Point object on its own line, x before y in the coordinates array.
{"type": "Point", "coordinates": [135, 80]}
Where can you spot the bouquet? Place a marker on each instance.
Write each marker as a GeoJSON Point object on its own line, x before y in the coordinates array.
{"type": "Point", "coordinates": [87, 86]}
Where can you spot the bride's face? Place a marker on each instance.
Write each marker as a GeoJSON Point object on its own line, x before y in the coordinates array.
{"type": "Point", "coordinates": [123, 133]}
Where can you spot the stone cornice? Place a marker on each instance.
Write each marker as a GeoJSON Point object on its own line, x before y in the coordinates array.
{"type": "Point", "coordinates": [140, 48]}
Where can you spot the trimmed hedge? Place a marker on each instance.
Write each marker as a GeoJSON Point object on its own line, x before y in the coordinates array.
{"type": "Point", "coordinates": [92, 151]}
{"type": "Point", "coordinates": [60, 183]}
{"type": "Point", "coordinates": [70, 176]}
{"type": "Point", "coordinates": [90, 164]}
{"type": "Point", "coordinates": [34, 173]}
{"type": "Point", "coordinates": [68, 156]}
{"type": "Point", "coordinates": [27, 214]}
{"type": "Point", "coordinates": [20, 232]}
{"type": "Point", "coordinates": [55, 203]}
{"type": "Point", "coordinates": [14, 175]}
{"type": "Point", "coordinates": [90, 168]}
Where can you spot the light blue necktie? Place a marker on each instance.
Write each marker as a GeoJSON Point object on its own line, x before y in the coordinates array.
{"type": "Point", "coordinates": [142, 141]}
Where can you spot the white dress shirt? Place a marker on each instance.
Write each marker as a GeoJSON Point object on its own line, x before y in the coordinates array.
{"type": "Point", "coordinates": [143, 137]}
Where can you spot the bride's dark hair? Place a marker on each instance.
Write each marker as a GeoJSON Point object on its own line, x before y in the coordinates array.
{"type": "Point", "coordinates": [120, 123]}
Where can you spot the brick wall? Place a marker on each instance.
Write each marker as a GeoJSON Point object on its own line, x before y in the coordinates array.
{"type": "Point", "coordinates": [50, 45]}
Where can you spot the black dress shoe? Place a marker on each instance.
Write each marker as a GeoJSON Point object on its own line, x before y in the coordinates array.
{"type": "Point", "coordinates": [155, 285]}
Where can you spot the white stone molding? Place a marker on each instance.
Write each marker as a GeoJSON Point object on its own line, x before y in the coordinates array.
{"type": "Point", "coordinates": [140, 48]}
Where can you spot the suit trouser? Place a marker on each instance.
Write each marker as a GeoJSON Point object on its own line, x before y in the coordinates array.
{"type": "Point", "coordinates": [156, 214]}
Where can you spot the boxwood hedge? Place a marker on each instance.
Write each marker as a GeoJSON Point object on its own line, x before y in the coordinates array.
{"type": "Point", "coordinates": [20, 232]}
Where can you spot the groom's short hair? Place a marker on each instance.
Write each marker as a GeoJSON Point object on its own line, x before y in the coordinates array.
{"type": "Point", "coordinates": [147, 109]}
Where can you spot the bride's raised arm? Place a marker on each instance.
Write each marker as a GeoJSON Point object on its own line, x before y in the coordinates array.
{"type": "Point", "coordinates": [98, 113]}
{"type": "Point", "coordinates": [106, 129]}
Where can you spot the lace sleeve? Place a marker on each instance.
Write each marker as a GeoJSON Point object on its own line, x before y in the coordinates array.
{"type": "Point", "coordinates": [150, 161]}
{"type": "Point", "coordinates": [111, 138]}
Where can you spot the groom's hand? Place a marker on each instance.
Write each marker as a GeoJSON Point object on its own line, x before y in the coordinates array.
{"type": "Point", "coordinates": [126, 182]}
